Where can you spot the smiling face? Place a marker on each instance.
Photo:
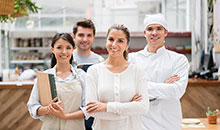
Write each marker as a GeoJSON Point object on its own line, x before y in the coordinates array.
{"type": "Point", "coordinates": [62, 50]}
{"type": "Point", "coordinates": [84, 38]}
{"type": "Point", "coordinates": [116, 43]}
{"type": "Point", "coordinates": [155, 35]}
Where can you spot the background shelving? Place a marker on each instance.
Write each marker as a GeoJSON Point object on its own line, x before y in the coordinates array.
{"type": "Point", "coordinates": [30, 49]}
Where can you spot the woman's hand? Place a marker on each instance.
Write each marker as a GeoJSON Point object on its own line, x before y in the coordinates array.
{"type": "Point", "coordinates": [56, 109]}
{"type": "Point", "coordinates": [137, 98]}
{"type": "Point", "coordinates": [93, 107]}
{"type": "Point", "coordinates": [54, 101]}
{"type": "Point", "coordinates": [44, 110]}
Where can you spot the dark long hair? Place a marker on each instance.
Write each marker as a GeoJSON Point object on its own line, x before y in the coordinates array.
{"type": "Point", "coordinates": [65, 36]}
{"type": "Point", "coordinates": [124, 29]}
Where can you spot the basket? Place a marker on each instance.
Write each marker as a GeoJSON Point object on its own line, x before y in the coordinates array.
{"type": "Point", "coordinates": [6, 7]}
{"type": "Point", "coordinates": [18, 14]}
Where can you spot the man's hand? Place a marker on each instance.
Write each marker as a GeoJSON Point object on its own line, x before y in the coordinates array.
{"type": "Point", "coordinates": [172, 79]}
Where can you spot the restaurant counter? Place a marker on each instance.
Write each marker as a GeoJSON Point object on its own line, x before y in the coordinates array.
{"type": "Point", "coordinates": [208, 126]}
{"type": "Point", "coordinates": [14, 95]}
{"type": "Point", "coordinates": [17, 84]}
{"type": "Point", "coordinates": [200, 94]}
{"type": "Point", "coordinates": [14, 114]}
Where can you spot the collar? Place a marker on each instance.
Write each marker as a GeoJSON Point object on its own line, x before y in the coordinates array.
{"type": "Point", "coordinates": [158, 52]}
{"type": "Point", "coordinates": [73, 69]}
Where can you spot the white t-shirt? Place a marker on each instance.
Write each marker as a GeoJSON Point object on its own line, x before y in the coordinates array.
{"type": "Point", "coordinates": [117, 89]}
{"type": "Point", "coordinates": [165, 112]}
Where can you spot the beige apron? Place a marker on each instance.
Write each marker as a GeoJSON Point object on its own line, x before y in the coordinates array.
{"type": "Point", "coordinates": [70, 94]}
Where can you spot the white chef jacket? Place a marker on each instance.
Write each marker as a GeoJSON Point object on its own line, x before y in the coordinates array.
{"type": "Point", "coordinates": [117, 90]}
{"type": "Point", "coordinates": [165, 112]}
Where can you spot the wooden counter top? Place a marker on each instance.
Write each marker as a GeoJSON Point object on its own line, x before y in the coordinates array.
{"type": "Point", "coordinates": [203, 82]}
{"type": "Point", "coordinates": [29, 84]}
{"type": "Point", "coordinates": [17, 84]}
{"type": "Point", "coordinates": [199, 95]}
{"type": "Point", "coordinates": [207, 125]}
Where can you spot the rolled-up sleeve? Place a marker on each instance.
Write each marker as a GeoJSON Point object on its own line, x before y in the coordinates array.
{"type": "Point", "coordinates": [82, 76]}
{"type": "Point", "coordinates": [34, 102]}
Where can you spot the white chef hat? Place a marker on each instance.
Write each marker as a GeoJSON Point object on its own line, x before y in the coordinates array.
{"type": "Point", "coordinates": [155, 19]}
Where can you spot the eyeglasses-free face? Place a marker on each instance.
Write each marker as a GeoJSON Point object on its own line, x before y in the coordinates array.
{"type": "Point", "coordinates": [116, 43]}
{"type": "Point", "coordinates": [62, 50]}
{"type": "Point", "coordinates": [155, 35]}
{"type": "Point", "coordinates": [84, 38]}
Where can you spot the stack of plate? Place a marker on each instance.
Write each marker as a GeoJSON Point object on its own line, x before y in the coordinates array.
{"type": "Point", "coordinates": [190, 121]}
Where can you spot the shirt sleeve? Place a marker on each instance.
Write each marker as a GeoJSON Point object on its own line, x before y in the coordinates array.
{"type": "Point", "coordinates": [133, 108]}
{"type": "Point", "coordinates": [131, 58]}
{"type": "Point", "coordinates": [176, 89]}
{"type": "Point", "coordinates": [101, 59]}
{"type": "Point", "coordinates": [82, 76]}
{"type": "Point", "coordinates": [34, 102]}
{"type": "Point", "coordinates": [92, 95]}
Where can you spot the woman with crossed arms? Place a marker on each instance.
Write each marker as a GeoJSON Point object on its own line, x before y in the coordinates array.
{"type": "Point", "coordinates": [116, 92]}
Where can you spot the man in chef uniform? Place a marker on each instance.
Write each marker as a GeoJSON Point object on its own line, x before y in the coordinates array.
{"type": "Point", "coordinates": [167, 76]}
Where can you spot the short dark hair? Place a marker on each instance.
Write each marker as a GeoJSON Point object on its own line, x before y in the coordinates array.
{"type": "Point", "coordinates": [85, 23]}
{"type": "Point", "coordinates": [65, 36]}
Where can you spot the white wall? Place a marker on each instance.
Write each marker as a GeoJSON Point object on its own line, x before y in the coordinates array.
{"type": "Point", "coordinates": [217, 59]}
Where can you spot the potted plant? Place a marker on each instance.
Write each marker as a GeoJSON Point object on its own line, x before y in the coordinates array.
{"type": "Point", "coordinates": [20, 8]}
{"type": "Point", "coordinates": [212, 115]}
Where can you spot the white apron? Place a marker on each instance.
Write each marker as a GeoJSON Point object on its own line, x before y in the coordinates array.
{"type": "Point", "coordinates": [70, 94]}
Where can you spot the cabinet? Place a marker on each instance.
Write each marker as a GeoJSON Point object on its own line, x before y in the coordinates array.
{"type": "Point", "coordinates": [30, 49]}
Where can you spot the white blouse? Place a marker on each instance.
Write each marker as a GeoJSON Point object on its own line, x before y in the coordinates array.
{"type": "Point", "coordinates": [117, 90]}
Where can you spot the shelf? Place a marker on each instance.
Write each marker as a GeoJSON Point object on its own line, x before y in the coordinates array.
{"type": "Point", "coordinates": [104, 51]}
{"type": "Point", "coordinates": [30, 48]}
{"type": "Point", "coordinates": [27, 61]}
{"type": "Point", "coordinates": [141, 34]}
{"type": "Point", "coordinates": [182, 51]}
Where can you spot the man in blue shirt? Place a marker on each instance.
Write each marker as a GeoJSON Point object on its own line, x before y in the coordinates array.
{"type": "Point", "coordinates": [84, 35]}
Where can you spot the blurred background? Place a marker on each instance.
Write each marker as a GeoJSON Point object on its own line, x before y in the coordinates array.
{"type": "Point", "coordinates": [193, 27]}
{"type": "Point", "coordinates": [26, 40]}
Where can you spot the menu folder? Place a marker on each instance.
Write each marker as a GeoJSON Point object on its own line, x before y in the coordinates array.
{"type": "Point", "coordinates": [46, 87]}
